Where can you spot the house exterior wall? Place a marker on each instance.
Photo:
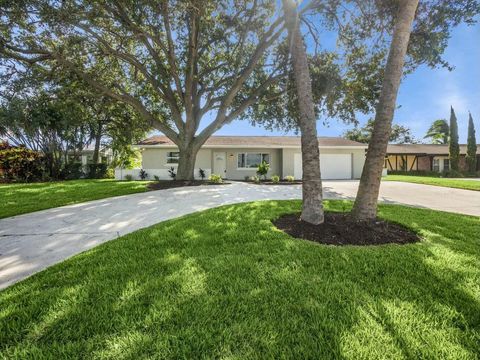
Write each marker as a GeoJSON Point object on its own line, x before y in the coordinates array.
{"type": "Point", "coordinates": [154, 162]}
{"type": "Point", "coordinates": [358, 159]}
{"type": "Point", "coordinates": [234, 173]}
{"type": "Point", "coordinates": [424, 162]}
{"type": "Point", "coordinates": [401, 162]}
{"type": "Point", "coordinates": [156, 158]}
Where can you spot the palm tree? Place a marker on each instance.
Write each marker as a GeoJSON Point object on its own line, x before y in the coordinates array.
{"type": "Point", "coordinates": [312, 207]}
{"type": "Point", "coordinates": [438, 132]}
{"type": "Point", "coordinates": [365, 206]}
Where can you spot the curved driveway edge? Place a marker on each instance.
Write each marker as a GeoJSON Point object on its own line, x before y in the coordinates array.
{"type": "Point", "coordinates": [32, 242]}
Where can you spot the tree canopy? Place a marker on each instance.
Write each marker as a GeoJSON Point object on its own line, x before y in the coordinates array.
{"type": "Point", "coordinates": [438, 132]}
{"type": "Point", "coordinates": [399, 135]}
{"type": "Point", "coordinates": [453, 146]}
{"type": "Point", "coordinates": [175, 61]}
{"type": "Point", "coordinates": [471, 157]}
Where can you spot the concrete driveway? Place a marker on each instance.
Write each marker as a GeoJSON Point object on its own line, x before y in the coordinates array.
{"type": "Point", "coordinates": [31, 242]}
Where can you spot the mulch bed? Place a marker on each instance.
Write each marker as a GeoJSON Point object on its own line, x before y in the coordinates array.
{"type": "Point", "coordinates": [342, 229]}
{"type": "Point", "coordinates": [170, 184]}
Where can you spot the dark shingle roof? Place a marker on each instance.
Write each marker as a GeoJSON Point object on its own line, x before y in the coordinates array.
{"type": "Point", "coordinates": [270, 141]}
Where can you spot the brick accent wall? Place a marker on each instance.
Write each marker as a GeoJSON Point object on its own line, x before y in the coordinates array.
{"type": "Point", "coordinates": [423, 163]}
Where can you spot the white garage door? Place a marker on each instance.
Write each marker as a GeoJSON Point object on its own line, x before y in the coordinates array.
{"type": "Point", "coordinates": [332, 166]}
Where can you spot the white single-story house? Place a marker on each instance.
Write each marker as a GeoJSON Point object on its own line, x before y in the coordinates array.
{"type": "Point", "coordinates": [237, 157]}
{"type": "Point", "coordinates": [85, 156]}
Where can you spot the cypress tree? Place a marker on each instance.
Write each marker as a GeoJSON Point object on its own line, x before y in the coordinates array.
{"type": "Point", "coordinates": [454, 149]}
{"type": "Point", "coordinates": [471, 157]}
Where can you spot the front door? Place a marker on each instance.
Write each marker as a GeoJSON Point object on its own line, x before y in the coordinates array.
{"type": "Point", "coordinates": [220, 164]}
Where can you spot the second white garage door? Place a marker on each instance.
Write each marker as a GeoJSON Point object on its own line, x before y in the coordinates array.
{"type": "Point", "coordinates": [332, 166]}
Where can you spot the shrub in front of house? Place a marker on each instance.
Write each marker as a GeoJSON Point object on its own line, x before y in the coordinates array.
{"type": "Point", "coordinates": [415, 173]}
{"type": "Point", "coordinates": [97, 171]}
{"type": "Point", "coordinates": [20, 164]}
{"type": "Point", "coordinates": [143, 174]}
{"type": "Point", "coordinates": [128, 177]}
{"type": "Point", "coordinates": [452, 174]}
{"type": "Point", "coordinates": [215, 179]}
{"type": "Point", "coordinates": [255, 179]}
{"type": "Point", "coordinates": [202, 174]}
{"type": "Point", "coordinates": [172, 173]}
{"type": "Point", "coordinates": [109, 174]}
{"type": "Point", "coordinates": [262, 169]}
{"type": "Point", "coordinates": [72, 171]}
{"type": "Point", "coordinates": [275, 179]}
{"type": "Point", "coordinates": [290, 178]}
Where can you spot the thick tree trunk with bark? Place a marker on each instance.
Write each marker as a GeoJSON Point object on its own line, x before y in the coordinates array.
{"type": "Point", "coordinates": [312, 207]}
{"type": "Point", "coordinates": [365, 207]}
{"type": "Point", "coordinates": [186, 163]}
{"type": "Point", "coordinates": [98, 139]}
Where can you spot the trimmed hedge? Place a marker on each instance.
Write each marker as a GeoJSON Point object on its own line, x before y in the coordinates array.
{"type": "Point", "coordinates": [445, 174]}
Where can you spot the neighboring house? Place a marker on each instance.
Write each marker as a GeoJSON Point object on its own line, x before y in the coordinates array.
{"type": "Point", "coordinates": [425, 157]}
{"type": "Point", "coordinates": [237, 157]}
{"type": "Point", "coordinates": [86, 155]}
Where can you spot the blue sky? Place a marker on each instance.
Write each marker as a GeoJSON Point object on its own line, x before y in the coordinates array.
{"type": "Point", "coordinates": [425, 95]}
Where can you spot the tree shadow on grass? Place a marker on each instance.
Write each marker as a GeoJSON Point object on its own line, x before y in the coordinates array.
{"type": "Point", "coordinates": [226, 283]}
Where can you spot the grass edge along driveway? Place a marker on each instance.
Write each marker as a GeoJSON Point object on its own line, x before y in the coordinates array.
{"type": "Point", "coordinates": [225, 283]}
{"type": "Point", "coordinates": [444, 182]}
{"type": "Point", "coordinates": [16, 199]}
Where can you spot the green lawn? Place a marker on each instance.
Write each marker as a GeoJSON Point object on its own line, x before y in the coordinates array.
{"type": "Point", "coordinates": [226, 284]}
{"type": "Point", "coordinates": [453, 183]}
{"type": "Point", "coordinates": [16, 199]}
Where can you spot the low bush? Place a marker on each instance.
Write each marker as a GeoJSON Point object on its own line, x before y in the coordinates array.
{"type": "Point", "coordinates": [247, 177]}
{"type": "Point", "coordinates": [110, 174]}
{"type": "Point", "coordinates": [128, 177]}
{"type": "Point", "coordinates": [275, 179]}
{"type": "Point", "coordinates": [262, 169]}
{"type": "Point", "coordinates": [452, 174]}
{"type": "Point", "coordinates": [290, 178]}
{"type": "Point", "coordinates": [143, 174]}
{"type": "Point", "coordinates": [415, 173]}
{"type": "Point", "coordinates": [156, 177]}
{"type": "Point", "coordinates": [172, 173]}
{"type": "Point", "coordinates": [20, 164]}
{"type": "Point", "coordinates": [215, 179]}
{"type": "Point", "coordinates": [444, 174]}
{"type": "Point", "coordinates": [255, 179]}
{"type": "Point", "coordinates": [97, 171]}
{"type": "Point", "coordinates": [73, 171]}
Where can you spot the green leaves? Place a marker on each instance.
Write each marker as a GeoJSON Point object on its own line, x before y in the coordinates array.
{"type": "Point", "coordinates": [454, 148]}
{"type": "Point", "coordinates": [399, 135]}
{"type": "Point", "coordinates": [438, 132]}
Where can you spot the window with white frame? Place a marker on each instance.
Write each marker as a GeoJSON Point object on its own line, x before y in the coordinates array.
{"type": "Point", "coordinates": [446, 164]}
{"type": "Point", "coordinates": [172, 157]}
{"type": "Point", "coordinates": [436, 165]}
{"type": "Point", "coordinates": [251, 160]}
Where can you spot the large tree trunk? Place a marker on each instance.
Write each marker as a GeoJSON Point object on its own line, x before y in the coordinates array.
{"type": "Point", "coordinates": [98, 139]}
{"type": "Point", "coordinates": [186, 163]}
{"type": "Point", "coordinates": [312, 208]}
{"type": "Point", "coordinates": [365, 207]}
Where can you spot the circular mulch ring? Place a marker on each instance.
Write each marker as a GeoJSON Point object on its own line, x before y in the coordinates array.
{"type": "Point", "coordinates": [342, 229]}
